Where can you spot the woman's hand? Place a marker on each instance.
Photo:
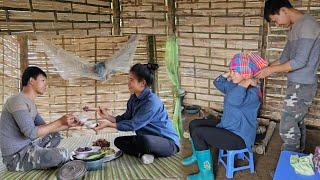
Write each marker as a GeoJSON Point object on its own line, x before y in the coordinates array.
{"type": "Point", "coordinates": [104, 124]}
{"type": "Point", "coordinates": [103, 112]}
{"type": "Point", "coordinates": [227, 74]}
{"type": "Point", "coordinates": [247, 82]}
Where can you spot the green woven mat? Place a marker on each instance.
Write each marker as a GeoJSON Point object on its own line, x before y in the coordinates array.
{"type": "Point", "coordinates": [126, 167]}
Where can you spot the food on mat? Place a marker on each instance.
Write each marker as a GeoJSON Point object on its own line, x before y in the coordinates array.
{"type": "Point", "coordinates": [102, 143]}
{"type": "Point", "coordinates": [86, 109]}
{"type": "Point", "coordinates": [83, 149]}
{"type": "Point", "coordinates": [96, 155]}
{"type": "Point", "coordinates": [108, 150]}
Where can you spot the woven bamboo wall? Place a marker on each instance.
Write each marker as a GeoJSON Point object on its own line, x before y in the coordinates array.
{"type": "Point", "coordinates": [9, 68]}
{"type": "Point", "coordinates": [144, 17]}
{"type": "Point", "coordinates": [164, 85]}
{"type": "Point", "coordinates": [276, 84]}
{"type": "Point", "coordinates": [150, 17]}
{"type": "Point", "coordinates": [70, 96]}
{"type": "Point", "coordinates": [90, 17]}
{"type": "Point", "coordinates": [210, 33]}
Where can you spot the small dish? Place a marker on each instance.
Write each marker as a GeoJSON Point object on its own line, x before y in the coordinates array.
{"type": "Point", "coordinates": [82, 118]}
{"type": "Point", "coordinates": [91, 125]}
{"type": "Point", "coordinates": [93, 149]}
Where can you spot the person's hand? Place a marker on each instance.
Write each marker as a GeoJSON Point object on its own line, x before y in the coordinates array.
{"type": "Point", "coordinates": [265, 72]}
{"type": "Point", "coordinates": [227, 74]}
{"type": "Point", "coordinates": [254, 81]}
{"type": "Point", "coordinates": [70, 120]}
{"type": "Point", "coordinates": [103, 124]}
{"type": "Point", "coordinates": [245, 83]}
{"type": "Point", "coordinates": [103, 112]}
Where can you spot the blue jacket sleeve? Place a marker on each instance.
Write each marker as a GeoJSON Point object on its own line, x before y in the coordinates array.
{"type": "Point", "coordinates": [125, 115]}
{"type": "Point", "coordinates": [222, 84]}
{"type": "Point", "coordinates": [141, 119]}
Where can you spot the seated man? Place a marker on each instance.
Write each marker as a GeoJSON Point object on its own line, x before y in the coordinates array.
{"type": "Point", "coordinates": [26, 141]}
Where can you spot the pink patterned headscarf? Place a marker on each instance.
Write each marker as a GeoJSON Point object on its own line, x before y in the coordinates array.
{"type": "Point", "coordinates": [247, 64]}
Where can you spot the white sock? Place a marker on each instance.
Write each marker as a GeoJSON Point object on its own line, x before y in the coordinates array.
{"type": "Point", "coordinates": [147, 158]}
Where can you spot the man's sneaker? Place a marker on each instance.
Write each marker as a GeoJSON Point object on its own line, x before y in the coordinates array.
{"type": "Point", "coordinates": [147, 158]}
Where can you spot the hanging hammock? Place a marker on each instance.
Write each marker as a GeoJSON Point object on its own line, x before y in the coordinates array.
{"type": "Point", "coordinates": [70, 66]}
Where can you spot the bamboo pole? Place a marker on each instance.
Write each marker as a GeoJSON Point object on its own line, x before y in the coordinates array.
{"type": "Point", "coordinates": [24, 62]}
{"type": "Point", "coordinates": [171, 17]}
{"type": "Point", "coordinates": [116, 17]}
{"type": "Point", "coordinates": [152, 58]}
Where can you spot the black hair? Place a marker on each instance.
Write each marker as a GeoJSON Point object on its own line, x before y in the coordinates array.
{"type": "Point", "coordinates": [144, 72]}
{"type": "Point", "coordinates": [31, 72]}
{"type": "Point", "coordinates": [273, 7]}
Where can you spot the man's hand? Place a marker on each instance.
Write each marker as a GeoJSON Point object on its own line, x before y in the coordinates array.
{"type": "Point", "coordinates": [265, 72]}
{"type": "Point", "coordinates": [69, 120]}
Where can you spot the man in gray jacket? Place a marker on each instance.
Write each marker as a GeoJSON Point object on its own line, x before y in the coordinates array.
{"type": "Point", "coordinates": [300, 60]}
{"type": "Point", "coordinates": [26, 141]}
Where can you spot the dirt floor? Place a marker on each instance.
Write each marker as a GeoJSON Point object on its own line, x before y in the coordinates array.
{"type": "Point", "coordinates": [265, 165]}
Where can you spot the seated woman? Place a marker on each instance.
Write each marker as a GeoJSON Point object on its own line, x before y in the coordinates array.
{"type": "Point", "coordinates": [147, 116]}
{"type": "Point", "coordinates": [237, 128]}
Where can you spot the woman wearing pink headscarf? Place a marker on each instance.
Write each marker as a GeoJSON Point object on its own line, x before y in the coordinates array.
{"type": "Point", "coordinates": [237, 127]}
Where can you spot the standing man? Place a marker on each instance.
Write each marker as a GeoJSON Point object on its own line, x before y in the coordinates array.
{"type": "Point", "coordinates": [26, 141]}
{"type": "Point", "coordinates": [300, 60]}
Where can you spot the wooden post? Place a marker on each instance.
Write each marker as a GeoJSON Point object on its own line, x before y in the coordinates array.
{"type": "Point", "coordinates": [95, 81]}
{"type": "Point", "coordinates": [152, 58]}
{"type": "Point", "coordinates": [116, 17]}
{"type": "Point", "coordinates": [24, 62]}
{"type": "Point", "coordinates": [263, 54]}
{"type": "Point", "coordinates": [171, 17]}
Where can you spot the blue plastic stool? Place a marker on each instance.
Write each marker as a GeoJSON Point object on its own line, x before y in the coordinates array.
{"type": "Point", "coordinates": [229, 165]}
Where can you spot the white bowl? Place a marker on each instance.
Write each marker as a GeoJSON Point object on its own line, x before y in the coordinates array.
{"type": "Point", "coordinates": [91, 125]}
{"type": "Point", "coordinates": [82, 118]}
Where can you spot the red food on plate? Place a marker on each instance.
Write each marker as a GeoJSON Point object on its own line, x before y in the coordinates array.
{"type": "Point", "coordinates": [102, 143]}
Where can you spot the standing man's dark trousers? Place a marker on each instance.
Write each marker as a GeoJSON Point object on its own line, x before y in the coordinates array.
{"type": "Point", "coordinates": [296, 104]}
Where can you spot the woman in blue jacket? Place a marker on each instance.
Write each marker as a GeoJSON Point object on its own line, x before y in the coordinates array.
{"type": "Point", "coordinates": [237, 127]}
{"type": "Point", "coordinates": [147, 116]}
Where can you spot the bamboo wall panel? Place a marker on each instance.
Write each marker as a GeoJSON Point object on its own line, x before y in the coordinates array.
{"type": "Point", "coordinates": [164, 84]}
{"type": "Point", "coordinates": [144, 16]}
{"type": "Point", "coordinates": [276, 84]}
{"type": "Point", "coordinates": [9, 68]}
{"type": "Point", "coordinates": [88, 17]}
{"type": "Point", "coordinates": [210, 33]}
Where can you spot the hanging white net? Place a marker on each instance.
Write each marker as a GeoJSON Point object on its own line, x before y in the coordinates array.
{"type": "Point", "coordinates": [70, 66]}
